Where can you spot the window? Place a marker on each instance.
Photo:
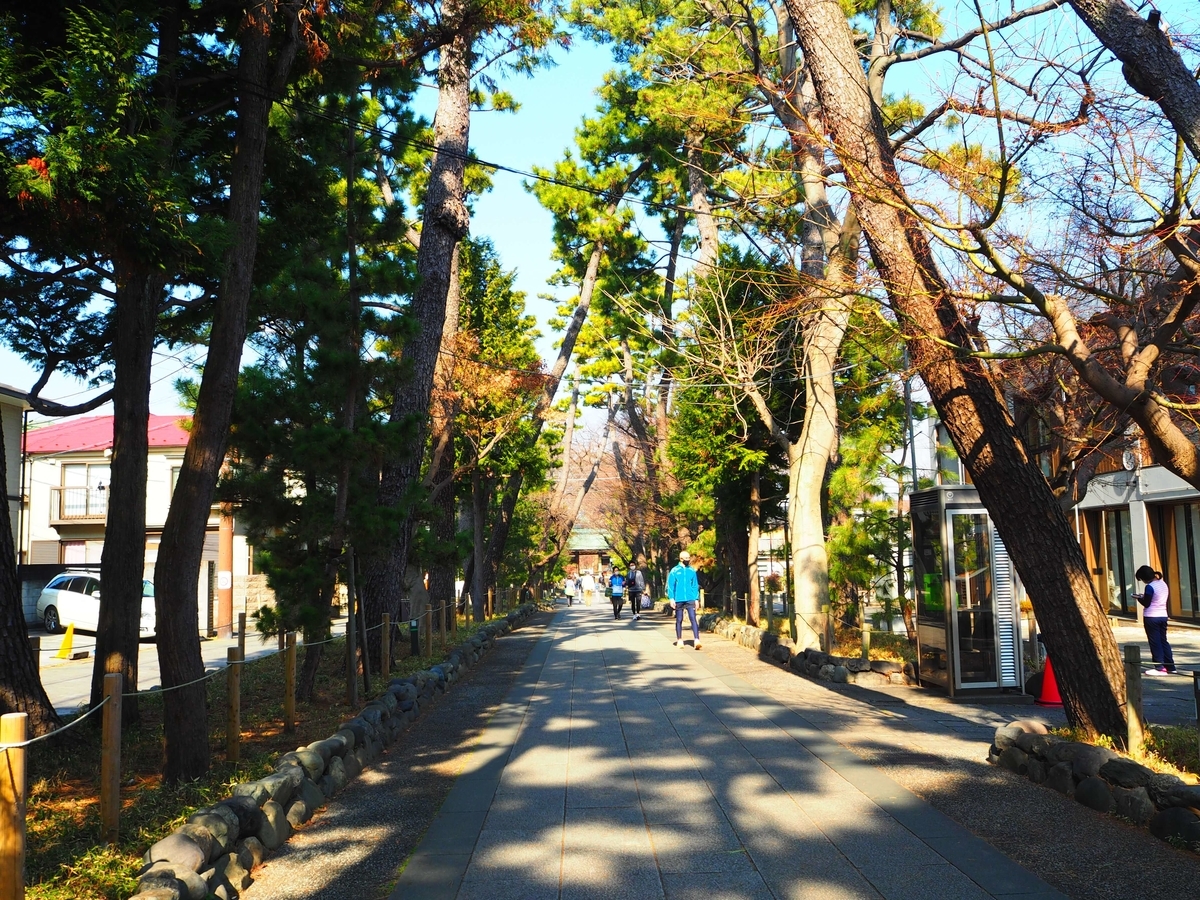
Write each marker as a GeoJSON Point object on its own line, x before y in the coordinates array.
{"type": "Point", "coordinates": [1118, 568]}
{"type": "Point", "coordinates": [84, 489]}
{"type": "Point", "coordinates": [1187, 537]}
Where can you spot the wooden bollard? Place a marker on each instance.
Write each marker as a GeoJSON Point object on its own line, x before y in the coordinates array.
{"type": "Point", "coordinates": [233, 722]}
{"type": "Point", "coordinates": [1135, 737]}
{"type": "Point", "coordinates": [241, 635]}
{"type": "Point", "coordinates": [110, 760]}
{"type": "Point", "coordinates": [289, 683]}
{"type": "Point", "coordinates": [866, 640]}
{"type": "Point", "coordinates": [385, 648]}
{"type": "Point", "coordinates": [13, 730]}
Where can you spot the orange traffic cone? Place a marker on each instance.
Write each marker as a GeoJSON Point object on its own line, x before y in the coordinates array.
{"type": "Point", "coordinates": [1049, 695]}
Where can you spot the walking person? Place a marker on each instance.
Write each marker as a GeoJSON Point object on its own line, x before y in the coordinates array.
{"type": "Point", "coordinates": [636, 588]}
{"type": "Point", "coordinates": [569, 589]}
{"type": "Point", "coordinates": [683, 590]}
{"type": "Point", "coordinates": [616, 590]}
{"type": "Point", "coordinates": [587, 587]}
{"type": "Point", "coordinates": [1154, 599]}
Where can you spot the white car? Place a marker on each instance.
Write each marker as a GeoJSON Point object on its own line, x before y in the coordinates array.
{"type": "Point", "coordinates": [73, 598]}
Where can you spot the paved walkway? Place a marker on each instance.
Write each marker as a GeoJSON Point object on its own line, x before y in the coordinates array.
{"type": "Point", "coordinates": [622, 767]}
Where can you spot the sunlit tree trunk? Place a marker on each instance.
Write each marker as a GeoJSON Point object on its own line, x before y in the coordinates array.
{"type": "Point", "coordinates": [177, 573]}
{"type": "Point", "coordinates": [444, 224]}
{"type": "Point", "coordinates": [1036, 531]}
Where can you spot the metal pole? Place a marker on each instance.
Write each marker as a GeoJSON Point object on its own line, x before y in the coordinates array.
{"type": "Point", "coordinates": [110, 760]}
{"type": "Point", "coordinates": [35, 645]}
{"type": "Point", "coordinates": [242, 634]}
{"type": "Point", "coordinates": [908, 417]}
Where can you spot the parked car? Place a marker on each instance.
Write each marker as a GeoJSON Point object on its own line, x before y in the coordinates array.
{"type": "Point", "coordinates": [73, 598]}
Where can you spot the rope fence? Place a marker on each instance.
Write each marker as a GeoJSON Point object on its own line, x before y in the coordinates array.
{"type": "Point", "coordinates": [14, 743]}
{"type": "Point", "coordinates": [52, 734]}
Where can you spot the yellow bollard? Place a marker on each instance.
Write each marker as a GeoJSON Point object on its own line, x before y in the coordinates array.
{"type": "Point", "coordinates": [64, 652]}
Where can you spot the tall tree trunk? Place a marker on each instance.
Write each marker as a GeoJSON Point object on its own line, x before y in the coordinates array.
{"type": "Point", "coordinates": [811, 455]}
{"type": "Point", "coordinates": [479, 583]}
{"type": "Point", "coordinates": [753, 595]}
{"type": "Point", "coordinates": [123, 560]}
{"type": "Point", "coordinates": [140, 285]}
{"type": "Point", "coordinates": [1035, 529]}
{"type": "Point", "coordinates": [706, 223]}
{"type": "Point", "coordinates": [444, 224]}
{"type": "Point", "coordinates": [441, 468]}
{"type": "Point", "coordinates": [178, 569]}
{"type": "Point", "coordinates": [20, 684]}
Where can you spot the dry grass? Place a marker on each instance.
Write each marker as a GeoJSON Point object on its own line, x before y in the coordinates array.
{"type": "Point", "coordinates": [65, 858]}
{"type": "Point", "coordinates": [1170, 749]}
{"type": "Point", "coordinates": [884, 645]}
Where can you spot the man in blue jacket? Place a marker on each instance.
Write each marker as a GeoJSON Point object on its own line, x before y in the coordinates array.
{"type": "Point", "coordinates": [683, 590]}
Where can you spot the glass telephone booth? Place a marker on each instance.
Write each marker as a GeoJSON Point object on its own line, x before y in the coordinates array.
{"type": "Point", "coordinates": [967, 594]}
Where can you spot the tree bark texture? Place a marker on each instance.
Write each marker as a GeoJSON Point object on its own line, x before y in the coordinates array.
{"type": "Point", "coordinates": [441, 469]}
{"type": "Point", "coordinates": [177, 574]}
{"type": "Point", "coordinates": [123, 560]}
{"type": "Point", "coordinates": [1035, 529]}
{"type": "Point", "coordinates": [444, 224]}
{"type": "Point", "coordinates": [753, 594]}
{"type": "Point", "coordinates": [1151, 65]}
{"type": "Point", "coordinates": [20, 684]}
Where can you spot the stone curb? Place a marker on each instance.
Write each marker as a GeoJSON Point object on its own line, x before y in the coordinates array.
{"type": "Point", "coordinates": [1101, 779]}
{"type": "Point", "coordinates": [810, 662]}
{"type": "Point", "coordinates": [214, 853]}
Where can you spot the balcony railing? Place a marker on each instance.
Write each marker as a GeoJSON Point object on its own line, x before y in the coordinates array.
{"type": "Point", "coordinates": [78, 504]}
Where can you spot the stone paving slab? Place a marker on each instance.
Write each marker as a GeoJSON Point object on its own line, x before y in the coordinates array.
{"type": "Point", "coordinates": [623, 767]}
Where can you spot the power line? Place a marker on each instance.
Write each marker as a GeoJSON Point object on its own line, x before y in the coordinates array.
{"type": "Point", "coordinates": [396, 140]}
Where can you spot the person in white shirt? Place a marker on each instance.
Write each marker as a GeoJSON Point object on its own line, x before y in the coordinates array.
{"type": "Point", "coordinates": [1154, 599]}
{"type": "Point", "coordinates": [587, 586]}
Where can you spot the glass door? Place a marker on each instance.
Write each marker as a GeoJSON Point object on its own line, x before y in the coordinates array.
{"type": "Point", "coordinates": [974, 602]}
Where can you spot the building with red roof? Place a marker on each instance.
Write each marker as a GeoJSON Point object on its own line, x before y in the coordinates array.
{"type": "Point", "coordinates": [65, 510]}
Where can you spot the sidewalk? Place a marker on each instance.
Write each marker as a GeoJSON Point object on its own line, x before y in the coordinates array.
{"type": "Point", "coordinates": [620, 766]}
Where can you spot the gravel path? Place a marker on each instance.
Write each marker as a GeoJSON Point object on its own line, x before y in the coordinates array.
{"type": "Point", "coordinates": [932, 746]}
{"type": "Point", "coordinates": [353, 849]}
